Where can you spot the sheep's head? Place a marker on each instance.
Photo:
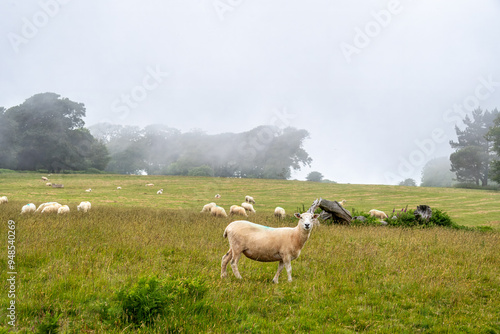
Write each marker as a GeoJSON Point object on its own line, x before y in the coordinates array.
{"type": "Point", "coordinates": [307, 220]}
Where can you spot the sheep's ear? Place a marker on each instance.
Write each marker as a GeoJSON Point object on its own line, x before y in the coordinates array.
{"type": "Point", "coordinates": [316, 216]}
{"type": "Point", "coordinates": [297, 215]}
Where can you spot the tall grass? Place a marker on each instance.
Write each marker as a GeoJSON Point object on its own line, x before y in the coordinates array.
{"type": "Point", "coordinates": [347, 279]}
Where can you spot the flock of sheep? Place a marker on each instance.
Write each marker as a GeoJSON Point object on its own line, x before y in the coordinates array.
{"type": "Point", "coordinates": [54, 207]}
{"type": "Point", "coordinates": [238, 210]}
{"type": "Point", "coordinates": [50, 207]}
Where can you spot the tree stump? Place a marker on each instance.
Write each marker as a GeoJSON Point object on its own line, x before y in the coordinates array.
{"type": "Point", "coordinates": [333, 210]}
{"type": "Point", "coordinates": [423, 212]}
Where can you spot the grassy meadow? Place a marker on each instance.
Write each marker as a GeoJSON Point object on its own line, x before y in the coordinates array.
{"type": "Point", "coordinates": [71, 269]}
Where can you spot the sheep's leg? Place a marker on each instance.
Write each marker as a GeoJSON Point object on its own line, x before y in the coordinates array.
{"type": "Point", "coordinates": [234, 264]}
{"type": "Point", "coordinates": [225, 260]}
{"type": "Point", "coordinates": [288, 266]}
{"type": "Point", "coordinates": [280, 268]}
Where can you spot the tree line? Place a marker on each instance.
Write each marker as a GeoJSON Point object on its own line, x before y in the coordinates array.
{"type": "Point", "coordinates": [263, 152]}
{"type": "Point", "coordinates": [47, 132]}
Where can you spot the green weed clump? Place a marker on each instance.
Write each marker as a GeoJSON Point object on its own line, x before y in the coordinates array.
{"type": "Point", "coordinates": [49, 325]}
{"type": "Point", "coordinates": [407, 218]}
{"type": "Point", "coordinates": [151, 298]}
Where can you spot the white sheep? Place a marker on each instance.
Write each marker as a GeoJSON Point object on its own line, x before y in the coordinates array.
{"type": "Point", "coordinates": [208, 207]}
{"type": "Point", "coordinates": [54, 207]}
{"type": "Point", "coordinates": [28, 208]}
{"type": "Point", "coordinates": [159, 192]}
{"type": "Point", "coordinates": [218, 211]}
{"type": "Point", "coordinates": [84, 206]}
{"type": "Point", "coordinates": [63, 209]}
{"type": "Point", "coordinates": [48, 184]}
{"type": "Point", "coordinates": [279, 212]}
{"type": "Point", "coordinates": [342, 202]}
{"type": "Point", "coordinates": [217, 196]}
{"type": "Point", "coordinates": [88, 190]}
{"type": "Point", "coordinates": [266, 244]}
{"type": "Point", "coordinates": [118, 188]}
{"type": "Point", "coordinates": [237, 210]}
{"type": "Point", "coordinates": [377, 214]}
{"type": "Point", "coordinates": [249, 199]}
{"type": "Point", "coordinates": [248, 207]}
{"type": "Point", "coordinates": [43, 205]}
{"type": "Point", "coordinates": [4, 199]}
{"type": "Point", "coordinates": [44, 179]}
{"type": "Point", "coordinates": [149, 184]}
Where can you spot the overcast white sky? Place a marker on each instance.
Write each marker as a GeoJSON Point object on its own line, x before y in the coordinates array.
{"type": "Point", "coordinates": [379, 85]}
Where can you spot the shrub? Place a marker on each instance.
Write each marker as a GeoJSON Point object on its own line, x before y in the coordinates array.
{"type": "Point", "coordinates": [150, 298]}
{"type": "Point", "coordinates": [475, 186]}
{"type": "Point", "coordinates": [93, 170]}
{"type": "Point", "coordinates": [6, 171]}
{"type": "Point", "coordinates": [441, 218]}
{"type": "Point", "coordinates": [49, 325]}
{"type": "Point", "coordinates": [369, 220]}
{"type": "Point", "coordinates": [407, 218]}
{"type": "Point", "coordinates": [201, 171]}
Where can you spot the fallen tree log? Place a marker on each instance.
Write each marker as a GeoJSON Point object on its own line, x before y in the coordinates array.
{"type": "Point", "coordinates": [331, 210]}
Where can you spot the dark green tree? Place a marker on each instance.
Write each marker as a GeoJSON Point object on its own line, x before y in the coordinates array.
{"type": "Point", "coordinates": [50, 134]}
{"type": "Point", "coordinates": [493, 137]}
{"type": "Point", "coordinates": [471, 159]}
{"type": "Point", "coordinates": [314, 177]}
{"type": "Point", "coordinates": [8, 141]}
{"type": "Point", "coordinates": [437, 173]}
{"type": "Point", "coordinates": [408, 183]}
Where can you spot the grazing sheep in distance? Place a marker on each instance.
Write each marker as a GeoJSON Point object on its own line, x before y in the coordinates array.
{"type": "Point", "coordinates": [4, 199]}
{"type": "Point", "coordinates": [118, 188]}
{"type": "Point", "coordinates": [28, 208]}
{"type": "Point", "coordinates": [208, 207]}
{"type": "Point", "coordinates": [149, 184]}
{"type": "Point", "coordinates": [44, 178]}
{"type": "Point", "coordinates": [43, 205]}
{"type": "Point", "coordinates": [88, 190]}
{"type": "Point", "coordinates": [217, 196]}
{"type": "Point", "coordinates": [377, 214]}
{"type": "Point", "coordinates": [159, 192]}
{"type": "Point", "coordinates": [279, 212]}
{"type": "Point", "coordinates": [54, 207]}
{"type": "Point", "coordinates": [48, 184]}
{"type": "Point", "coordinates": [84, 206]}
{"type": "Point", "coordinates": [63, 209]}
{"type": "Point", "coordinates": [248, 207]}
{"type": "Point", "coordinates": [266, 244]}
{"type": "Point", "coordinates": [218, 212]}
{"type": "Point", "coordinates": [238, 210]}
{"type": "Point", "coordinates": [342, 202]}
{"type": "Point", "coordinates": [249, 199]}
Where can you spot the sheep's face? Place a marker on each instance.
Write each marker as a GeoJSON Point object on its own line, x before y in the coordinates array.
{"type": "Point", "coordinates": [307, 220]}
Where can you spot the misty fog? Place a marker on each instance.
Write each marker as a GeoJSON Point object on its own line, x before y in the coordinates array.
{"type": "Point", "coordinates": [379, 86]}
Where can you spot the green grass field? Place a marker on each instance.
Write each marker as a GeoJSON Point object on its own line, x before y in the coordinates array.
{"type": "Point", "coordinates": [71, 268]}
